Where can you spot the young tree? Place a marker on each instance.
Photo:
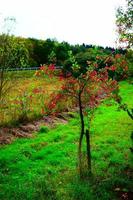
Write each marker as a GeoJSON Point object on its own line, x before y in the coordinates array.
{"type": "Point", "coordinates": [87, 90]}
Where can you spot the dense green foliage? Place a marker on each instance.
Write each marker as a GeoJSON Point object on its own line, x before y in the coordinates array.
{"type": "Point", "coordinates": [13, 52]}
{"type": "Point", "coordinates": [44, 167]}
{"type": "Point", "coordinates": [35, 52]}
{"type": "Point", "coordinates": [125, 24]}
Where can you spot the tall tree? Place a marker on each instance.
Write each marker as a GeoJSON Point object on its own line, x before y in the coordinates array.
{"type": "Point", "coordinates": [124, 23]}
{"type": "Point", "coordinates": [13, 53]}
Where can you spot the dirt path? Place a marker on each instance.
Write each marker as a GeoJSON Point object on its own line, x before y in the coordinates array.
{"type": "Point", "coordinates": [26, 130]}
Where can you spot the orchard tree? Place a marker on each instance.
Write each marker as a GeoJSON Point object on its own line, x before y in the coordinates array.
{"type": "Point", "coordinates": [86, 90]}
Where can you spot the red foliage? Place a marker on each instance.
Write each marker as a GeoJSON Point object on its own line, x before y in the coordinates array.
{"type": "Point", "coordinates": [94, 85]}
{"type": "Point", "coordinates": [117, 56]}
{"type": "Point", "coordinates": [42, 67]}
{"type": "Point", "coordinates": [51, 67]}
{"type": "Point", "coordinates": [113, 68]}
{"type": "Point", "coordinates": [36, 90]}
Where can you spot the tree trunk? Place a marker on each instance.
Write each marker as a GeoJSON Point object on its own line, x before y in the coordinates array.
{"type": "Point", "coordinates": [1, 82]}
{"type": "Point", "coordinates": [80, 155]}
{"type": "Point", "coordinates": [88, 150]}
{"type": "Point", "coordinates": [81, 136]}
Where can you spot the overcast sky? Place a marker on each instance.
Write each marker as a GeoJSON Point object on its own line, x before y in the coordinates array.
{"type": "Point", "coordinates": [74, 21]}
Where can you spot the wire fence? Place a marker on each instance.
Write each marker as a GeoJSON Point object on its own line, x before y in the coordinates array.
{"type": "Point", "coordinates": [26, 68]}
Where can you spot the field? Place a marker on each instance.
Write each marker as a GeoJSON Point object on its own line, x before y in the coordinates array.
{"type": "Point", "coordinates": [45, 166]}
{"type": "Point", "coordinates": [27, 97]}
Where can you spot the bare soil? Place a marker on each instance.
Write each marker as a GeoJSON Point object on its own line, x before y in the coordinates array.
{"type": "Point", "coordinates": [26, 130]}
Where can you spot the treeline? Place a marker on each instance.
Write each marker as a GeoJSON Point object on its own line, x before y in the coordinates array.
{"type": "Point", "coordinates": [50, 51]}
{"type": "Point", "coordinates": [34, 52]}
{"type": "Point", "coordinates": [18, 52]}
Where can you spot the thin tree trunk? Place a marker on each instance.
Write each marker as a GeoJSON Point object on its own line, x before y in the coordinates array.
{"type": "Point", "coordinates": [81, 136]}
{"type": "Point", "coordinates": [1, 83]}
{"type": "Point", "coordinates": [88, 149]}
{"type": "Point", "coordinates": [80, 155]}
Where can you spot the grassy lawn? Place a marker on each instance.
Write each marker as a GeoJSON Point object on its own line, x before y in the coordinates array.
{"type": "Point", "coordinates": [45, 167]}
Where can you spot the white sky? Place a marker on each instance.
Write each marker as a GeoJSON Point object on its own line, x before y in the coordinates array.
{"type": "Point", "coordinates": [74, 21]}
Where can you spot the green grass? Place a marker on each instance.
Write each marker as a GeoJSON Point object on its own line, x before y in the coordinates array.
{"type": "Point", "coordinates": [45, 167]}
{"type": "Point", "coordinates": [21, 74]}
